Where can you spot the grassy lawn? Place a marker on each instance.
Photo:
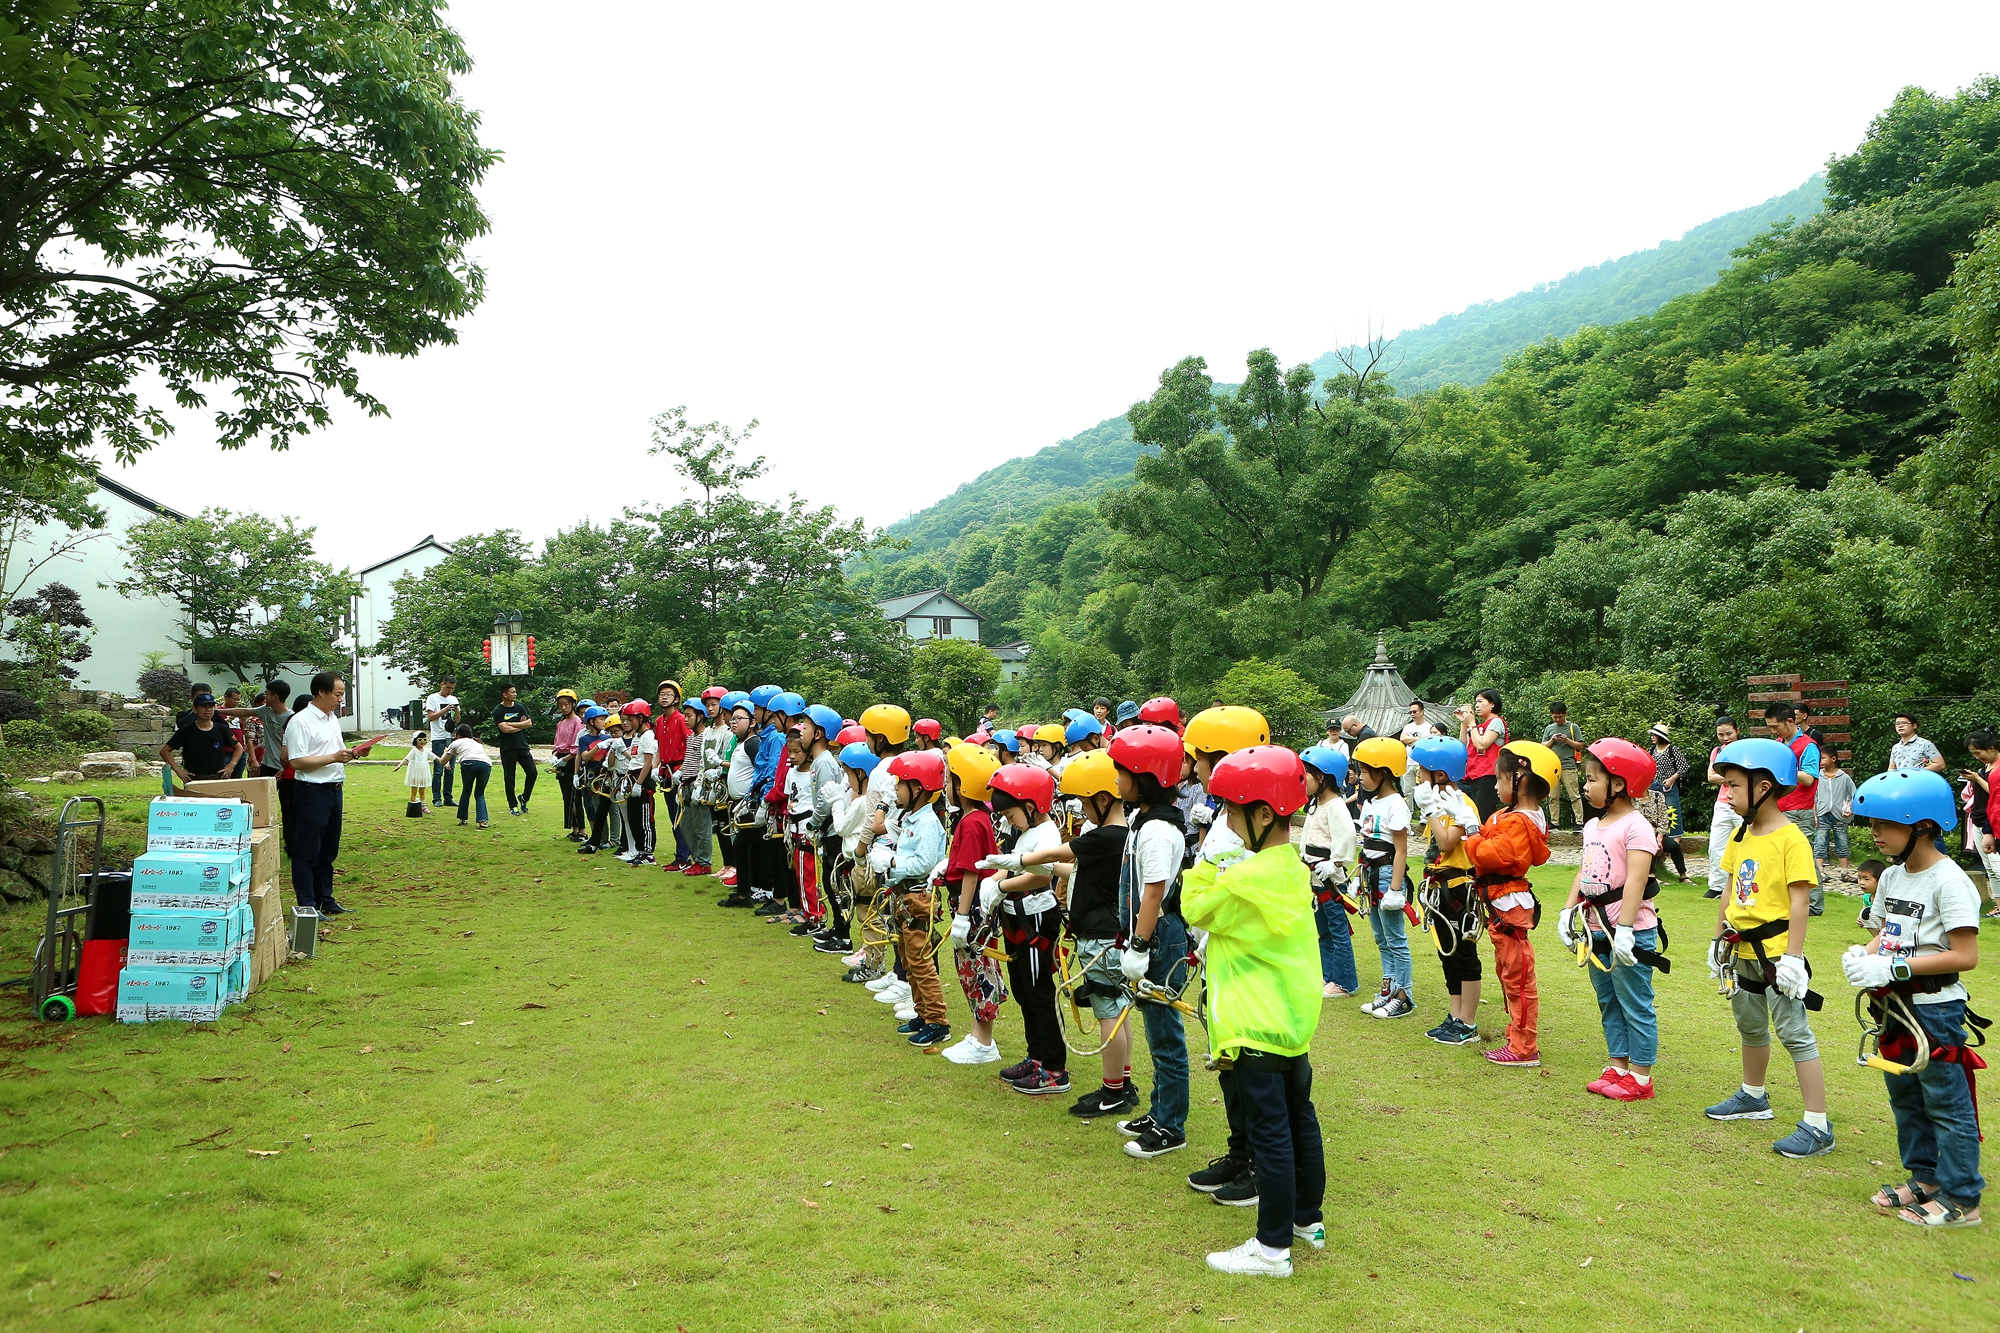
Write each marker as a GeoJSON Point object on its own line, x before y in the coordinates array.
{"type": "Point", "coordinates": [525, 1089]}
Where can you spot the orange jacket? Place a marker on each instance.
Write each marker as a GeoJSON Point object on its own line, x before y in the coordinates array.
{"type": "Point", "coordinates": [1507, 845]}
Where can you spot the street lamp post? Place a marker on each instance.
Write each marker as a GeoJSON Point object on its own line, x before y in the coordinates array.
{"type": "Point", "coordinates": [511, 650]}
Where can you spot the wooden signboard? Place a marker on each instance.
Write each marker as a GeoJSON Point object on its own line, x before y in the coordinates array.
{"type": "Point", "coordinates": [1825, 703]}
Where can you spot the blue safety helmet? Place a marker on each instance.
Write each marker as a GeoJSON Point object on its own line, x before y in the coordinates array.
{"type": "Point", "coordinates": [1327, 760]}
{"type": "Point", "coordinates": [825, 719]}
{"type": "Point", "coordinates": [859, 757]}
{"type": "Point", "coordinates": [1907, 796]}
{"type": "Point", "coordinates": [788, 703]}
{"type": "Point", "coordinates": [1072, 714]}
{"type": "Point", "coordinates": [1761, 754]}
{"type": "Point", "coordinates": [592, 713]}
{"type": "Point", "coordinates": [1010, 741]}
{"type": "Point", "coordinates": [1440, 754]}
{"type": "Point", "coordinates": [1081, 727]}
{"type": "Point", "coordinates": [1127, 712]}
{"type": "Point", "coordinates": [763, 694]}
{"type": "Point", "coordinates": [733, 698]}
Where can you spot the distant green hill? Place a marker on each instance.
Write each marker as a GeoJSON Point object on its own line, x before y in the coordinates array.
{"type": "Point", "coordinates": [1464, 348]}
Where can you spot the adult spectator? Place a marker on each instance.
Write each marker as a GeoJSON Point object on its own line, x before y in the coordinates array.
{"type": "Point", "coordinates": [1417, 728]}
{"type": "Point", "coordinates": [513, 723]}
{"type": "Point", "coordinates": [1912, 750]}
{"type": "Point", "coordinates": [672, 732]}
{"type": "Point", "coordinates": [1723, 821]}
{"type": "Point", "coordinates": [568, 726]}
{"type": "Point", "coordinates": [1484, 731]}
{"type": "Point", "coordinates": [441, 712]}
{"type": "Point", "coordinates": [319, 758]}
{"type": "Point", "coordinates": [1797, 805]}
{"type": "Point", "coordinates": [230, 708]}
{"type": "Point", "coordinates": [272, 715]}
{"type": "Point", "coordinates": [1566, 739]}
{"type": "Point", "coordinates": [181, 719]}
{"type": "Point", "coordinates": [1813, 733]}
{"type": "Point", "coordinates": [1670, 770]}
{"type": "Point", "coordinates": [1984, 780]}
{"type": "Point", "coordinates": [989, 718]}
{"type": "Point", "coordinates": [1354, 731]}
{"type": "Point", "coordinates": [208, 748]}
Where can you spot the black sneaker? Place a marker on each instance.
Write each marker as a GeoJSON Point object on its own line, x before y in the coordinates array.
{"type": "Point", "coordinates": [587, 849]}
{"type": "Point", "coordinates": [1445, 1031]}
{"type": "Point", "coordinates": [1240, 1192]}
{"type": "Point", "coordinates": [1103, 1101]}
{"type": "Point", "coordinates": [860, 974]}
{"type": "Point", "coordinates": [930, 1034]}
{"type": "Point", "coordinates": [573, 836]}
{"type": "Point", "coordinates": [832, 946]}
{"type": "Point", "coordinates": [734, 900]}
{"type": "Point", "coordinates": [1155, 1142]}
{"type": "Point", "coordinates": [1219, 1172]}
{"type": "Point", "coordinates": [1133, 1129]}
{"type": "Point", "coordinates": [1462, 1034]}
{"type": "Point", "coordinates": [769, 907]}
{"type": "Point", "coordinates": [332, 908]}
{"type": "Point", "coordinates": [803, 928]}
{"type": "Point", "coordinates": [642, 860]}
{"type": "Point", "coordinates": [1019, 1069]}
{"type": "Point", "coordinates": [910, 1025]}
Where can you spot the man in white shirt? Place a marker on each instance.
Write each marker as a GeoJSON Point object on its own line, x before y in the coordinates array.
{"type": "Point", "coordinates": [319, 756]}
{"type": "Point", "coordinates": [441, 711]}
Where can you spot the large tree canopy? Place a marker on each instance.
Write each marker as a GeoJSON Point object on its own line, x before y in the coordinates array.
{"type": "Point", "coordinates": [238, 193]}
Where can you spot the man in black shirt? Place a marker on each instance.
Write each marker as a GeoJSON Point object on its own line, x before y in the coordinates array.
{"type": "Point", "coordinates": [208, 747]}
{"type": "Point", "coordinates": [513, 722]}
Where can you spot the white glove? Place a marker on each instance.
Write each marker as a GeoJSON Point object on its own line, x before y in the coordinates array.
{"type": "Point", "coordinates": [1201, 949]}
{"type": "Point", "coordinates": [1322, 873]}
{"type": "Point", "coordinates": [1567, 929]}
{"type": "Point", "coordinates": [1622, 945]}
{"type": "Point", "coordinates": [1721, 960]}
{"type": "Point", "coordinates": [961, 928]}
{"type": "Point", "coordinates": [879, 858]}
{"type": "Point", "coordinates": [1792, 976]}
{"type": "Point", "coordinates": [1201, 816]}
{"type": "Point", "coordinates": [1393, 900]}
{"type": "Point", "coordinates": [989, 894]}
{"type": "Point", "coordinates": [1866, 970]}
{"type": "Point", "coordinates": [1133, 964]}
{"type": "Point", "coordinates": [1007, 861]}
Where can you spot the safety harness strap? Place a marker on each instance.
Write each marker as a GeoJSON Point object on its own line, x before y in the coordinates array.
{"type": "Point", "coordinates": [1755, 937]}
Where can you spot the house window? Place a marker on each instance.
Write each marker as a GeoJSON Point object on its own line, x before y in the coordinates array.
{"type": "Point", "coordinates": [940, 627]}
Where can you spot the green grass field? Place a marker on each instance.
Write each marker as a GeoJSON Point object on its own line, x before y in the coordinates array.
{"type": "Point", "coordinates": [522, 1089]}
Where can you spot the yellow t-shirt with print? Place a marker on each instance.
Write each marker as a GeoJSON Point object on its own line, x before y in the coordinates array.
{"type": "Point", "coordinates": [1455, 810]}
{"type": "Point", "coordinates": [1762, 868]}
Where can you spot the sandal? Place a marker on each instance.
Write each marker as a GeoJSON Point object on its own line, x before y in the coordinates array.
{"type": "Point", "coordinates": [1893, 1198]}
{"type": "Point", "coordinates": [1938, 1213]}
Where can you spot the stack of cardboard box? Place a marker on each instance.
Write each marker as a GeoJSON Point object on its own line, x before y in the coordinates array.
{"type": "Point", "coordinates": [270, 943]}
{"type": "Point", "coordinates": [188, 954]}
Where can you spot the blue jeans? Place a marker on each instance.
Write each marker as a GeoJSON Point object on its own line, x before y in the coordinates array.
{"type": "Point", "coordinates": [1832, 829]}
{"type": "Point", "coordinates": [440, 775]}
{"type": "Point", "coordinates": [472, 787]}
{"type": "Point", "coordinates": [1391, 938]}
{"type": "Point", "coordinates": [1937, 1134]}
{"type": "Point", "coordinates": [1625, 1003]}
{"type": "Point", "coordinates": [1336, 945]}
{"type": "Point", "coordinates": [1166, 1035]}
{"type": "Point", "coordinates": [1285, 1143]}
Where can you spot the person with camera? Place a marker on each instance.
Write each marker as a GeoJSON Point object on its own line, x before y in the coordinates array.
{"type": "Point", "coordinates": [441, 712]}
{"type": "Point", "coordinates": [1484, 731]}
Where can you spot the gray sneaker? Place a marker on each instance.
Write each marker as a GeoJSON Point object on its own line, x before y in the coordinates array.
{"type": "Point", "coordinates": [1398, 1005]}
{"type": "Point", "coordinates": [1805, 1141]}
{"type": "Point", "coordinates": [1740, 1105]}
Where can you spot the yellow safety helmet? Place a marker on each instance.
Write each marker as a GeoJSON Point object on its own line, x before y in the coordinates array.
{"type": "Point", "coordinates": [566, 694]}
{"type": "Point", "coordinates": [888, 721]}
{"type": "Point", "coordinates": [974, 768]}
{"type": "Point", "coordinates": [1383, 752]}
{"type": "Point", "coordinates": [1091, 773]}
{"type": "Point", "coordinates": [1225, 730]}
{"type": "Point", "coordinates": [1541, 760]}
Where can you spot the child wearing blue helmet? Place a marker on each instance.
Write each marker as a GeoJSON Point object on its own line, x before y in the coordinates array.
{"type": "Point", "coordinates": [1449, 913]}
{"type": "Point", "coordinates": [1926, 923]}
{"type": "Point", "coordinates": [1770, 876]}
{"type": "Point", "coordinates": [1326, 845]}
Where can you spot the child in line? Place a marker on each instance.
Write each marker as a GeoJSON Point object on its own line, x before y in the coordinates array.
{"type": "Point", "coordinates": [416, 777]}
{"type": "Point", "coordinates": [1926, 935]}
{"type": "Point", "coordinates": [1449, 912]}
{"type": "Point", "coordinates": [852, 811]}
{"type": "Point", "coordinates": [982, 979]}
{"type": "Point", "coordinates": [1507, 846]}
{"type": "Point", "coordinates": [1031, 919]}
{"type": "Point", "coordinates": [1868, 878]}
{"type": "Point", "coordinates": [1383, 830]}
{"type": "Point", "coordinates": [1611, 906]}
{"type": "Point", "coordinates": [1326, 845]}
{"type": "Point", "coordinates": [1771, 879]}
{"type": "Point", "coordinates": [1833, 811]}
{"type": "Point", "coordinates": [920, 848]}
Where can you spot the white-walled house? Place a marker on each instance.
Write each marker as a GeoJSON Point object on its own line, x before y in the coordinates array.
{"type": "Point", "coordinates": [377, 687]}
{"type": "Point", "coordinates": [935, 614]}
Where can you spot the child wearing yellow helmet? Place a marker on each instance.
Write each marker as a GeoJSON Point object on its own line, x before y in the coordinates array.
{"type": "Point", "coordinates": [1512, 841]}
{"type": "Point", "coordinates": [1383, 829]}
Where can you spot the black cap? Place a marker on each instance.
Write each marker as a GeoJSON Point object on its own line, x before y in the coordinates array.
{"type": "Point", "coordinates": [204, 698]}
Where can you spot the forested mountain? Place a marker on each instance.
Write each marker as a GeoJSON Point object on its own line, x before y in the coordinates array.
{"type": "Point", "coordinates": [1463, 348]}
{"type": "Point", "coordinates": [1796, 467]}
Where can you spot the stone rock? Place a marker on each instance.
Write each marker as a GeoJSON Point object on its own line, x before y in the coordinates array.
{"type": "Point", "coordinates": [10, 858]}
{"type": "Point", "coordinates": [38, 870]}
{"type": "Point", "coordinates": [146, 710]}
{"type": "Point", "coordinates": [106, 768]}
{"type": "Point", "coordinates": [34, 846]}
{"type": "Point", "coordinates": [13, 888]}
{"type": "Point", "coordinates": [111, 757]}
{"type": "Point", "coordinates": [69, 775]}
{"type": "Point", "coordinates": [153, 769]}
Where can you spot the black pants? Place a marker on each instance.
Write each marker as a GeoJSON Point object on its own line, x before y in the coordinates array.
{"type": "Point", "coordinates": [285, 786]}
{"type": "Point", "coordinates": [599, 810]}
{"type": "Point", "coordinates": [768, 870]}
{"type": "Point", "coordinates": [1031, 978]}
{"type": "Point", "coordinates": [1285, 1145]}
{"type": "Point", "coordinates": [1233, 1111]}
{"type": "Point", "coordinates": [725, 840]}
{"type": "Point", "coordinates": [315, 824]}
{"type": "Point", "coordinates": [572, 803]}
{"type": "Point", "coordinates": [639, 822]}
{"type": "Point", "coordinates": [525, 761]}
{"type": "Point", "coordinates": [830, 888]}
{"type": "Point", "coordinates": [1485, 794]}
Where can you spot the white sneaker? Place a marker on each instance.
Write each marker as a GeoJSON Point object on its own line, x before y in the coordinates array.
{"type": "Point", "coordinates": [1314, 1235]}
{"type": "Point", "coordinates": [973, 1051]}
{"type": "Point", "coordinates": [1381, 998]}
{"type": "Point", "coordinates": [896, 994]}
{"type": "Point", "coordinates": [905, 1012]}
{"type": "Point", "coordinates": [626, 856]}
{"type": "Point", "coordinates": [1249, 1259]}
{"type": "Point", "coordinates": [881, 983]}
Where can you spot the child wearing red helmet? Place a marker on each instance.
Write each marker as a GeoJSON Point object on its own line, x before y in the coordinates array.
{"type": "Point", "coordinates": [1611, 906]}
{"type": "Point", "coordinates": [1031, 919]}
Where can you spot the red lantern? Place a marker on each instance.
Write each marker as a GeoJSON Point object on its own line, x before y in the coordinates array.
{"type": "Point", "coordinates": [486, 650]}
{"type": "Point", "coordinates": [531, 652]}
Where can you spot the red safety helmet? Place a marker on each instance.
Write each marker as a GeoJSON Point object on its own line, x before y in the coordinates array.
{"type": "Point", "coordinates": [928, 726]}
{"type": "Point", "coordinates": [849, 734]}
{"type": "Point", "coordinates": [1149, 749]}
{"type": "Point", "coordinates": [637, 708]}
{"type": "Point", "coordinates": [923, 767]}
{"type": "Point", "coordinates": [1268, 773]}
{"type": "Point", "coordinates": [1025, 782]}
{"type": "Point", "coordinates": [714, 692]}
{"type": "Point", "coordinates": [1161, 712]}
{"type": "Point", "coordinates": [1622, 759]}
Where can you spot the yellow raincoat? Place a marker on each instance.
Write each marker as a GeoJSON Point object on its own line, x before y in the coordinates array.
{"type": "Point", "coordinates": [1263, 951]}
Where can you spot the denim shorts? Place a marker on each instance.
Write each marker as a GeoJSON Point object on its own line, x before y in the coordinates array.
{"type": "Point", "coordinates": [1757, 1016]}
{"type": "Point", "coordinates": [1103, 977]}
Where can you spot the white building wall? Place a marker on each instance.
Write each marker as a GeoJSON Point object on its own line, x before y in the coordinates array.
{"type": "Point", "coordinates": [376, 685]}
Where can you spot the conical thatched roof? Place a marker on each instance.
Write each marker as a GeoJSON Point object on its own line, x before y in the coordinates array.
{"type": "Point", "coordinates": [1383, 700]}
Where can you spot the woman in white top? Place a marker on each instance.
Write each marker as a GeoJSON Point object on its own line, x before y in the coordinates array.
{"type": "Point", "coordinates": [468, 755]}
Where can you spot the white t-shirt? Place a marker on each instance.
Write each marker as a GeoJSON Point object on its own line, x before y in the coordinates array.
{"type": "Point", "coordinates": [641, 745]}
{"type": "Point", "coordinates": [441, 724]}
{"type": "Point", "coordinates": [1916, 912]}
{"type": "Point", "coordinates": [1382, 817]}
{"type": "Point", "coordinates": [464, 748]}
{"type": "Point", "coordinates": [1155, 854]}
{"type": "Point", "coordinates": [1039, 838]}
{"type": "Point", "coordinates": [799, 794]}
{"type": "Point", "coordinates": [1220, 840]}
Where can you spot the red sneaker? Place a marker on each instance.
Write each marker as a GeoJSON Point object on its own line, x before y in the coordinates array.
{"type": "Point", "coordinates": [1508, 1058]}
{"type": "Point", "coordinates": [1603, 1082]}
{"type": "Point", "coordinates": [728, 876]}
{"type": "Point", "coordinates": [1629, 1089]}
{"type": "Point", "coordinates": [699, 869]}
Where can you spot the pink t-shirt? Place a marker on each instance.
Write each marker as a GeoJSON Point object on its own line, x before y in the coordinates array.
{"type": "Point", "coordinates": [1604, 851]}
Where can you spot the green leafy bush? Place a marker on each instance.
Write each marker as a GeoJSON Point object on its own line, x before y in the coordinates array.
{"type": "Point", "coordinates": [82, 728]}
{"type": "Point", "coordinates": [1293, 707]}
{"type": "Point", "coordinates": [28, 734]}
{"type": "Point", "coordinates": [16, 705]}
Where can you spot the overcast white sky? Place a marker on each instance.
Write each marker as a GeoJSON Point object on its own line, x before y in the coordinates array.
{"type": "Point", "coordinates": [915, 241]}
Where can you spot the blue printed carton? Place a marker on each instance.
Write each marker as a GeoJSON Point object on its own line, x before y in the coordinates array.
{"type": "Point", "coordinates": [204, 881]}
{"type": "Point", "coordinates": [155, 994]}
{"type": "Point", "coordinates": [198, 824]}
{"type": "Point", "coordinates": [183, 938]}
{"type": "Point", "coordinates": [236, 980]}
